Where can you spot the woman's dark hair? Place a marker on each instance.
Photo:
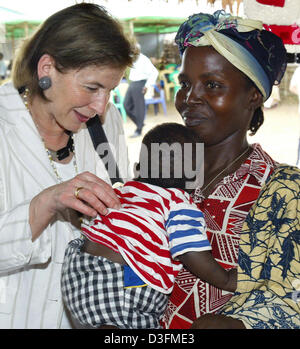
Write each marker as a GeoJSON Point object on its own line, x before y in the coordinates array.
{"type": "Point", "coordinates": [76, 37]}
{"type": "Point", "coordinates": [170, 134]}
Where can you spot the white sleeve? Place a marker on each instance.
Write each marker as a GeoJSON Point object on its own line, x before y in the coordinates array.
{"type": "Point", "coordinates": [16, 246]}
{"type": "Point", "coordinates": [1, 196]}
{"type": "Point", "coordinates": [152, 74]}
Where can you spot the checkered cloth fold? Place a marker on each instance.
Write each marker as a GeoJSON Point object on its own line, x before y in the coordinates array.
{"type": "Point", "coordinates": [93, 291]}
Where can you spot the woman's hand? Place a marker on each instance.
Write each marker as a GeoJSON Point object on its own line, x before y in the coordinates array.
{"type": "Point", "coordinates": [216, 321]}
{"type": "Point", "coordinates": [94, 197]}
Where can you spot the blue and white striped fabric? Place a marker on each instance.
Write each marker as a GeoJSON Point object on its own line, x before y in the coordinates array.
{"type": "Point", "coordinates": [187, 231]}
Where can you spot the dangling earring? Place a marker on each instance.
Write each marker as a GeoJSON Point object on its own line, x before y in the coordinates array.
{"type": "Point", "coordinates": [45, 82]}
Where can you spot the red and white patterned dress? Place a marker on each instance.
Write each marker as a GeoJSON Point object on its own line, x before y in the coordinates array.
{"type": "Point", "coordinates": [225, 211]}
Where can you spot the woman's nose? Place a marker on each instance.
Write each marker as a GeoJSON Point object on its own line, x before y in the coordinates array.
{"type": "Point", "coordinates": [99, 103]}
{"type": "Point", "coordinates": [194, 95]}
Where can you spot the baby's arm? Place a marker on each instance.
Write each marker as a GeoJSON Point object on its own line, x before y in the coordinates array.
{"type": "Point", "coordinates": [204, 266]}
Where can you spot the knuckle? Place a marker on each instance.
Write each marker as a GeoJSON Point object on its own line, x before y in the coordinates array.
{"type": "Point", "coordinates": [97, 189]}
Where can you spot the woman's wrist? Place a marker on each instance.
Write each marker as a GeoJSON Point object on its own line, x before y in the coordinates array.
{"type": "Point", "coordinates": [40, 213]}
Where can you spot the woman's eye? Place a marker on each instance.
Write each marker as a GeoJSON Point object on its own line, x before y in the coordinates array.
{"type": "Point", "coordinates": [92, 89]}
{"type": "Point", "coordinates": [183, 84]}
{"type": "Point", "coordinates": [212, 84]}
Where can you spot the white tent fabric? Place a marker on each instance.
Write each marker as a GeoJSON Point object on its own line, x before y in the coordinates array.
{"type": "Point", "coordinates": [39, 10]}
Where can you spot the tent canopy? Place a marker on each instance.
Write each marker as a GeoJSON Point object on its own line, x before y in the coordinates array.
{"type": "Point", "coordinates": [139, 25]}
{"type": "Point", "coordinates": [146, 25]}
{"type": "Point", "coordinates": [17, 24]}
{"type": "Point", "coordinates": [7, 14]}
{"type": "Point", "coordinates": [20, 28]}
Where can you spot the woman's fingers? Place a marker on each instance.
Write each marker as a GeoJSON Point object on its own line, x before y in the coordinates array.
{"type": "Point", "coordinates": [96, 192]}
{"type": "Point", "coordinates": [89, 204]}
{"type": "Point", "coordinates": [87, 194]}
{"type": "Point", "coordinates": [88, 209]}
{"type": "Point", "coordinates": [102, 190]}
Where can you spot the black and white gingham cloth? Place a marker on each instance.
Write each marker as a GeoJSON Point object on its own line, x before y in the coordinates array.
{"type": "Point", "coordinates": [93, 291]}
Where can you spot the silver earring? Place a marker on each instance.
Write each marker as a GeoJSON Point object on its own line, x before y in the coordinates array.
{"type": "Point", "coordinates": [45, 82]}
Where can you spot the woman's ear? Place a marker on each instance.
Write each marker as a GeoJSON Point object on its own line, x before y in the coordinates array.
{"type": "Point", "coordinates": [45, 65]}
{"type": "Point", "coordinates": [255, 99]}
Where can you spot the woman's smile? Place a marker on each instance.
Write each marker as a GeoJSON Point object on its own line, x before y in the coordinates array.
{"type": "Point", "coordinates": [192, 118]}
{"type": "Point", "coordinates": [82, 118]}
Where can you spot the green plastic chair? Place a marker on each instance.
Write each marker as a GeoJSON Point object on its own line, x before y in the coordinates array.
{"type": "Point", "coordinates": [174, 78]}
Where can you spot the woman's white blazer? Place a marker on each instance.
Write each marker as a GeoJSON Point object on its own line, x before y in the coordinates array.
{"type": "Point", "coordinates": [30, 295]}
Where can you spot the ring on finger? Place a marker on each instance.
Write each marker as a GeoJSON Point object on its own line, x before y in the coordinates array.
{"type": "Point", "coordinates": [76, 192]}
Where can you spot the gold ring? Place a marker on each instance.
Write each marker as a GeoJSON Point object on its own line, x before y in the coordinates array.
{"type": "Point", "coordinates": [76, 192]}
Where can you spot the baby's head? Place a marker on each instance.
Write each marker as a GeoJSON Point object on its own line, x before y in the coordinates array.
{"type": "Point", "coordinates": [171, 156]}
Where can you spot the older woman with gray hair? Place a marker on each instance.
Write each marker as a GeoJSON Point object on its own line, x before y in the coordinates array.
{"type": "Point", "coordinates": [50, 171]}
{"type": "Point", "coordinates": [251, 203]}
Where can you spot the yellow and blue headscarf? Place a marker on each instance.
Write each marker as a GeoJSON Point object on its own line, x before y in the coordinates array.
{"type": "Point", "coordinates": [255, 51]}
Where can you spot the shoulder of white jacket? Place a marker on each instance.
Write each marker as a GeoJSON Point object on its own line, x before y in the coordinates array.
{"type": "Point", "coordinates": [11, 105]}
{"type": "Point", "coordinates": [112, 117]}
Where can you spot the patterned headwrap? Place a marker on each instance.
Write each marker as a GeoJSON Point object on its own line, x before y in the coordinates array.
{"type": "Point", "coordinates": [256, 52]}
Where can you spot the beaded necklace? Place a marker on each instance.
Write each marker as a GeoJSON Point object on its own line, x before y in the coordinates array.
{"type": "Point", "coordinates": [48, 151]}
